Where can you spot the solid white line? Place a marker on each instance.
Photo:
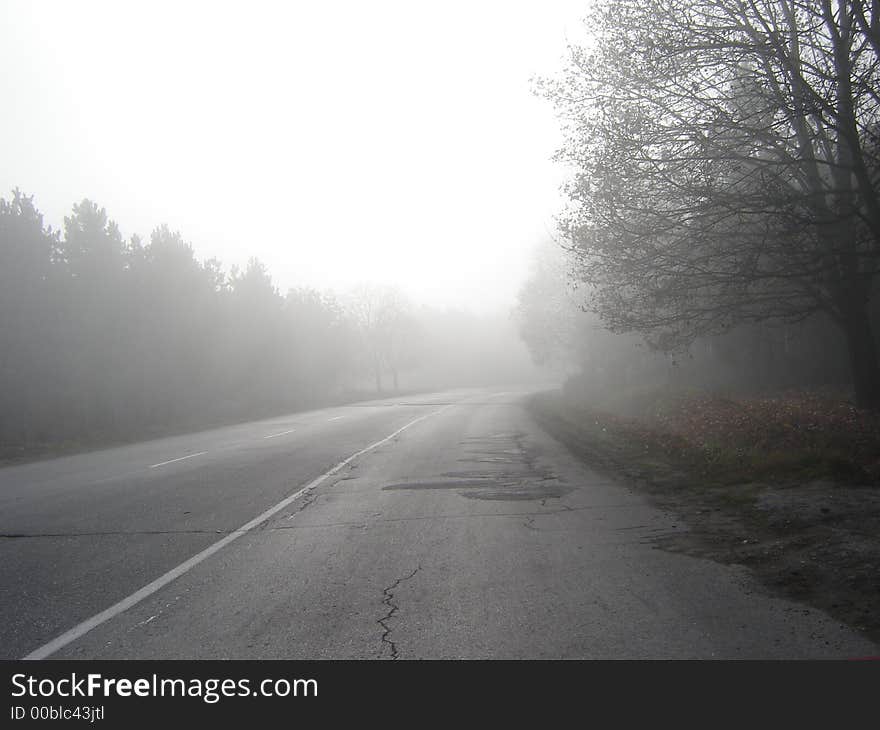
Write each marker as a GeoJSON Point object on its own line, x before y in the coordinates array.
{"type": "Point", "coordinates": [283, 433]}
{"type": "Point", "coordinates": [335, 418]}
{"type": "Point", "coordinates": [171, 461]}
{"type": "Point", "coordinates": [83, 628]}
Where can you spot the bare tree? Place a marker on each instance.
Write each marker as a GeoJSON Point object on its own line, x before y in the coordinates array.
{"type": "Point", "coordinates": [727, 167]}
{"type": "Point", "coordinates": [548, 314]}
{"type": "Point", "coordinates": [386, 328]}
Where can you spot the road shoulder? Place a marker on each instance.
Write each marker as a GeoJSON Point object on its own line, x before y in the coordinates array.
{"type": "Point", "coordinates": [814, 542]}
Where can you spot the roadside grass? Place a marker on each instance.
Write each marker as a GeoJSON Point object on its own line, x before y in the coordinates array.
{"type": "Point", "coordinates": [791, 436]}
{"type": "Point", "coordinates": [787, 485]}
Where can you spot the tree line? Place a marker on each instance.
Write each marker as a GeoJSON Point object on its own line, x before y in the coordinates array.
{"type": "Point", "coordinates": [726, 159]}
{"type": "Point", "coordinates": [106, 338]}
{"type": "Point", "coordinates": [102, 336]}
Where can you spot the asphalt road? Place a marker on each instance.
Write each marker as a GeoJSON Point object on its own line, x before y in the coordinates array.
{"type": "Point", "coordinates": [442, 526]}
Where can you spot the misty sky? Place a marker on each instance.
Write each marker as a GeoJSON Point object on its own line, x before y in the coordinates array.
{"type": "Point", "coordinates": [337, 141]}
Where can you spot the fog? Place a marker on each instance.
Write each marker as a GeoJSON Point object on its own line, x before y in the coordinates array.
{"type": "Point", "coordinates": [338, 142]}
{"type": "Point", "coordinates": [620, 372]}
{"type": "Point", "coordinates": [107, 337]}
{"type": "Point", "coordinates": [220, 211]}
{"type": "Point", "coordinates": [436, 319]}
{"type": "Point", "coordinates": [194, 194]}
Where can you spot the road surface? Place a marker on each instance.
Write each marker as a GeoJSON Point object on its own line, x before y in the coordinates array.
{"type": "Point", "coordinates": [447, 525]}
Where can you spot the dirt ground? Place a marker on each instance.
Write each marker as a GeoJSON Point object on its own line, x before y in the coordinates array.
{"type": "Point", "coordinates": [814, 540]}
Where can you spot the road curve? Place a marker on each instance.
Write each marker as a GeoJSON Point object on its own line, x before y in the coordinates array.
{"type": "Point", "coordinates": [447, 525]}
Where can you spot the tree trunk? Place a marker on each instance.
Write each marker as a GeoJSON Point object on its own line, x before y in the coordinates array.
{"type": "Point", "coordinates": [862, 357]}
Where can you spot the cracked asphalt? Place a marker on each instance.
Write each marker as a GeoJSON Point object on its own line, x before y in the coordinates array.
{"type": "Point", "coordinates": [470, 534]}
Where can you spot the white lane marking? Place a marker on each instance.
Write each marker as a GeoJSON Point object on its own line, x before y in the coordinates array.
{"type": "Point", "coordinates": [171, 461]}
{"type": "Point", "coordinates": [335, 418]}
{"type": "Point", "coordinates": [283, 433]}
{"type": "Point", "coordinates": [163, 580]}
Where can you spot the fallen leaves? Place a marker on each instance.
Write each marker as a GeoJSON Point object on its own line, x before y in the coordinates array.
{"type": "Point", "coordinates": [785, 433]}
